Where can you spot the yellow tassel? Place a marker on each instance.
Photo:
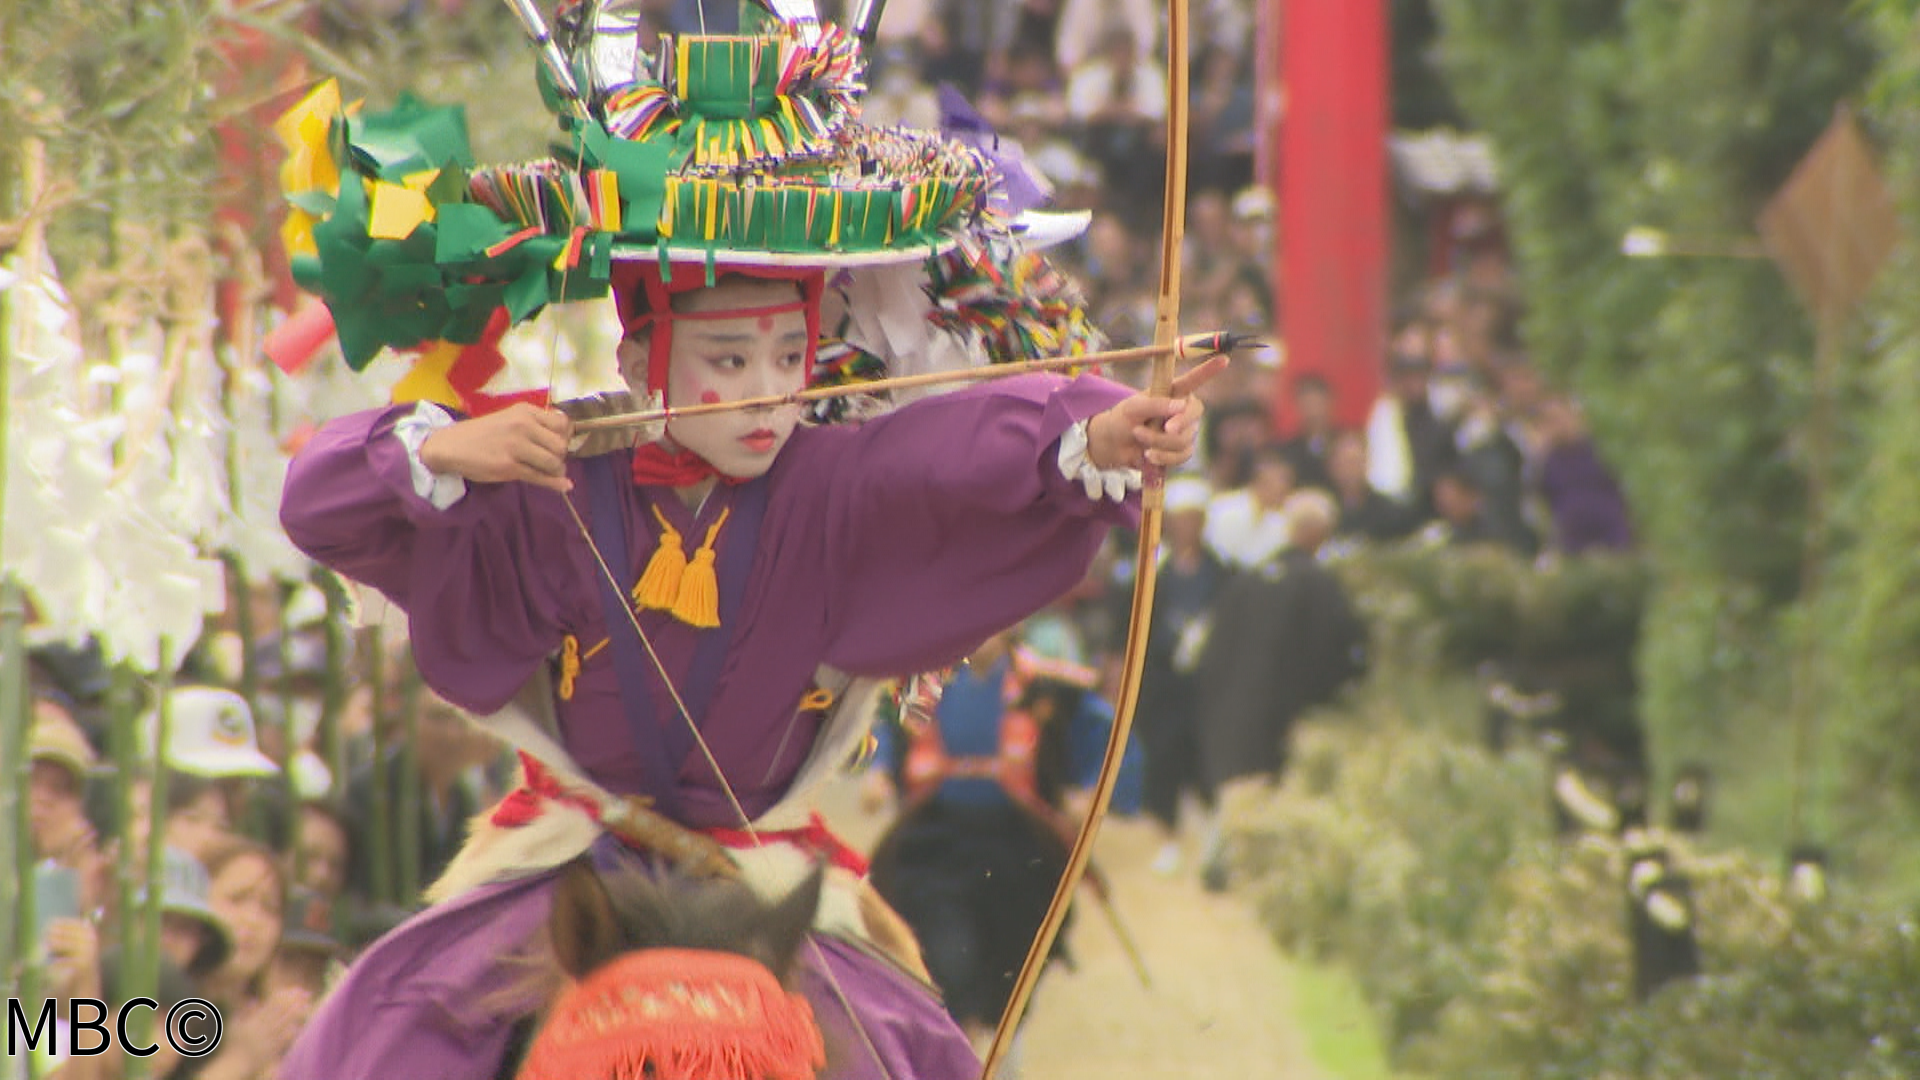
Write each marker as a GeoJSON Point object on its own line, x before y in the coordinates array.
{"type": "Point", "coordinates": [699, 602]}
{"type": "Point", "coordinates": [571, 661]}
{"type": "Point", "coordinates": [659, 588]}
{"type": "Point", "coordinates": [818, 699]}
{"type": "Point", "coordinates": [569, 665]}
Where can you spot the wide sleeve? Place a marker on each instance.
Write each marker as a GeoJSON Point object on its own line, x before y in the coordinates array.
{"type": "Point", "coordinates": [485, 582]}
{"type": "Point", "coordinates": [950, 519]}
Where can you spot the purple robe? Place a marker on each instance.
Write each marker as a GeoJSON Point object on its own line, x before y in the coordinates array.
{"type": "Point", "coordinates": [886, 549]}
{"type": "Point", "coordinates": [1589, 512]}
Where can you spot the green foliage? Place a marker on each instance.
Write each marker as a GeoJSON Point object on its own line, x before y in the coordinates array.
{"type": "Point", "coordinates": [1420, 95]}
{"type": "Point", "coordinates": [1787, 989]}
{"type": "Point", "coordinates": [1874, 617]}
{"type": "Point", "coordinates": [1614, 114]}
{"type": "Point", "coordinates": [119, 98]}
{"type": "Point", "coordinates": [1488, 952]}
{"type": "Point", "coordinates": [1381, 848]}
{"type": "Point", "coordinates": [1461, 607]}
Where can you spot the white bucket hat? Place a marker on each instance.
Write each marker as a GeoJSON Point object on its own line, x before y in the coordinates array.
{"type": "Point", "coordinates": [184, 888]}
{"type": "Point", "coordinates": [211, 735]}
{"type": "Point", "coordinates": [1187, 493]}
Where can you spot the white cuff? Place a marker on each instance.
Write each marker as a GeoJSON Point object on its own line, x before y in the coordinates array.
{"type": "Point", "coordinates": [1076, 466]}
{"type": "Point", "coordinates": [412, 430]}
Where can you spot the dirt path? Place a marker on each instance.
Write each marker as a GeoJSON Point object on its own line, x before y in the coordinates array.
{"type": "Point", "coordinates": [1219, 1006]}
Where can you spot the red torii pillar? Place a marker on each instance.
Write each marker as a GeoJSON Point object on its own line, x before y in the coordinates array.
{"type": "Point", "coordinates": [1330, 186]}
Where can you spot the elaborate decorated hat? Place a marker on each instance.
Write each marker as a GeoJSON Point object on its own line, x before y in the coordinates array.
{"type": "Point", "coordinates": [700, 154]}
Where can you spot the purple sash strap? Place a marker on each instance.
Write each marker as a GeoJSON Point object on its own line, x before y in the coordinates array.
{"type": "Point", "coordinates": [664, 747]}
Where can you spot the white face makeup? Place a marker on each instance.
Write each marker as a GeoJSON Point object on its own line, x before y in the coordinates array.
{"type": "Point", "coordinates": [731, 359]}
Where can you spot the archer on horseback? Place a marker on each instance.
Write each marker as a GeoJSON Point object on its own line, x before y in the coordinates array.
{"type": "Point", "coordinates": [981, 758]}
{"type": "Point", "coordinates": [680, 627]}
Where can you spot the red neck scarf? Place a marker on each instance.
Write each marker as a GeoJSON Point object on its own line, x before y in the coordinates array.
{"type": "Point", "coordinates": [656, 466]}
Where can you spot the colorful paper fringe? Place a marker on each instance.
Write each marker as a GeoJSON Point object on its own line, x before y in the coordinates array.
{"type": "Point", "coordinates": [743, 144]}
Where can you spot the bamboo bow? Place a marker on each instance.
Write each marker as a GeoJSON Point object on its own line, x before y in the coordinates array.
{"type": "Point", "coordinates": [1166, 331]}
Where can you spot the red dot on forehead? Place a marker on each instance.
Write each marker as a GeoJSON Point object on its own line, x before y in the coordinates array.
{"type": "Point", "coordinates": [766, 324]}
{"type": "Point", "coordinates": [709, 397]}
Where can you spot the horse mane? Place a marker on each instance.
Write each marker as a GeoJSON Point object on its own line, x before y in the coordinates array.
{"type": "Point", "coordinates": [601, 915]}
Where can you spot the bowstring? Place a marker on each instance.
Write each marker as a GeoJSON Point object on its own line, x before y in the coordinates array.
{"type": "Point", "coordinates": [706, 751]}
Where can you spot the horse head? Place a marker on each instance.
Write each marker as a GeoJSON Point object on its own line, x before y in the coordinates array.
{"type": "Point", "coordinates": [675, 978]}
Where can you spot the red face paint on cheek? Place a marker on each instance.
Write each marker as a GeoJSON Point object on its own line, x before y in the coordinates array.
{"type": "Point", "coordinates": [709, 397]}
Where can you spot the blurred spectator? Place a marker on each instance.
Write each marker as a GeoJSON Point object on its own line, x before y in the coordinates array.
{"type": "Point", "coordinates": [1029, 90]}
{"type": "Point", "coordinates": [1463, 518]}
{"type": "Point", "coordinates": [1246, 528]}
{"type": "Point", "coordinates": [199, 815]}
{"type": "Point", "coordinates": [1190, 578]}
{"type": "Point", "coordinates": [1407, 442]}
{"type": "Point", "coordinates": [1281, 640]}
{"type": "Point", "coordinates": [1313, 441]}
{"type": "Point", "coordinates": [1253, 225]}
{"type": "Point", "coordinates": [1236, 428]}
{"type": "Point", "coordinates": [1120, 99]}
{"type": "Point", "coordinates": [450, 750]}
{"type": "Point", "coordinates": [1246, 304]}
{"type": "Point", "coordinates": [1483, 449]}
{"type": "Point", "coordinates": [322, 850]}
{"type": "Point", "coordinates": [212, 739]}
{"type": "Point", "coordinates": [193, 937]}
{"type": "Point", "coordinates": [1207, 245]}
{"type": "Point", "coordinates": [309, 952]}
{"type": "Point", "coordinates": [1085, 26]}
{"type": "Point", "coordinates": [1589, 512]}
{"type": "Point", "coordinates": [1221, 137]}
{"type": "Point", "coordinates": [955, 45]}
{"type": "Point", "coordinates": [1365, 514]}
{"type": "Point", "coordinates": [249, 893]}
{"type": "Point", "coordinates": [57, 820]}
{"type": "Point", "coordinates": [214, 768]}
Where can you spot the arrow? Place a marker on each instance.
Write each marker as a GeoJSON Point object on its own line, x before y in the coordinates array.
{"type": "Point", "coordinates": [1191, 347]}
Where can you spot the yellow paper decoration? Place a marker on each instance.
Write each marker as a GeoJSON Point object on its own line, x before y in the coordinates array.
{"type": "Point", "coordinates": [303, 130]}
{"type": "Point", "coordinates": [428, 380]}
{"type": "Point", "coordinates": [397, 211]}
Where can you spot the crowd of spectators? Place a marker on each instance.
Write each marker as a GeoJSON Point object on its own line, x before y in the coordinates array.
{"type": "Point", "coordinates": [272, 874]}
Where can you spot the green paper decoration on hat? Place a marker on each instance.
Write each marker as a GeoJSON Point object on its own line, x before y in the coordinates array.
{"type": "Point", "coordinates": [744, 151]}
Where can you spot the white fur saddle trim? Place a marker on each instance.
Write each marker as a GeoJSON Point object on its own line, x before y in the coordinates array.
{"type": "Point", "coordinates": [562, 833]}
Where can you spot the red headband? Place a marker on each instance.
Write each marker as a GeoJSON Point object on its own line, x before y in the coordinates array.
{"type": "Point", "coordinates": [645, 299]}
{"type": "Point", "coordinates": [679, 1014]}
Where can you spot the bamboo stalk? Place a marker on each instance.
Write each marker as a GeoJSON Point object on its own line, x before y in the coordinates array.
{"type": "Point", "coordinates": [256, 824]}
{"type": "Point", "coordinates": [379, 837]}
{"type": "Point", "coordinates": [147, 982]}
{"type": "Point", "coordinates": [407, 830]}
{"type": "Point", "coordinates": [333, 704]}
{"type": "Point", "coordinates": [243, 626]}
{"type": "Point", "coordinates": [18, 946]}
{"type": "Point", "coordinates": [1195, 346]}
{"type": "Point", "coordinates": [123, 738]}
{"type": "Point", "coordinates": [16, 895]}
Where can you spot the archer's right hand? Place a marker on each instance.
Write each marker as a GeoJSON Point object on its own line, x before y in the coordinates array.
{"type": "Point", "coordinates": [520, 442]}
